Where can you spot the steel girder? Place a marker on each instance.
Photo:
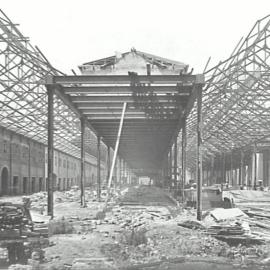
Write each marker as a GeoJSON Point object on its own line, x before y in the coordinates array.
{"type": "Point", "coordinates": [236, 97]}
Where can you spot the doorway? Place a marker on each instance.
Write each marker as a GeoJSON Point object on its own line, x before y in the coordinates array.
{"type": "Point", "coordinates": [25, 186]}
{"type": "Point", "coordinates": [4, 181]}
{"type": "Point", "coordinates": [15, 185]}
{"type": "Point", "coordinates": [40, 183]}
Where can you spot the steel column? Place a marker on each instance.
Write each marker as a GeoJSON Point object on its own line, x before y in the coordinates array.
{"type": "Point", "coordinates": [108, 162]}
{"type": "Point", "coordinates": [29, 169]}
{"type": "Point", "coordinates": [223, 168]}
{"type": "Point", "coordinates": [170, 167]}
{"type": "Point", "coordinates": [98, 169]}
{"type": "Point", "coordinates": [50, 93]}
{"type": "Point", "coordinates": [255, 166]}
{"type": "Point", "coordinates": [120, 171]}
{"type": "Point", "coordinates": [241, 169]}
{"type": "Point", "coordinates": [183, 165]}
{"type": "Point", "coordinates": [199, 154]}
{"type": "Point", "coordinates": [82, 161]}
{"type": "Point", "coordinates": [231, 169]}
{"type": "Point", "coordinates": [175, 166]}
{"type": "Point", "coordinates": [265, 167]}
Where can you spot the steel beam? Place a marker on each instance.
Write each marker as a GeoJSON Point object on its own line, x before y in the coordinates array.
{"type": "Point", "coordinates": [117, 145]}
{"type": "Point", "coordinates": [102, 90]}
{"type": "Point", "coordinates": [49, 81]}
{"type": "Point", "coordinates": [117, 106]}
{"type": "Point", "coordinates": [116, 117]}
{"type": "Point", "coordinates": [50, 184]}
{"type": "Point", "coordinates": [105, 110]}
{"type": "Point", "coordinates": [125, 79]}
{"type": "Point", "coordinates": [187, 109]}
{"type": "Point", "coordinates": [199, 155]}
{"type": "Point", "coordinates": [82, 161]}
{"type": "Point", "coordinates": [170, 100]}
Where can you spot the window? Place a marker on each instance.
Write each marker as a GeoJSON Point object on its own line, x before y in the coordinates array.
{"type": "Point", "coordinates": [55, 161]}
{"type": "Point", "coordinates": [5, 146]}
{"type": "Point", "coordinates": [64, 163]}
{"type": "Point", "coordinates": [59, 162]}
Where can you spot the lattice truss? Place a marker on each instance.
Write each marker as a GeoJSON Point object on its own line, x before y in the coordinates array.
{"type": "Point", "coordinates": [236, 98]}
{"type": "Point", "coordinates": [23, 96]}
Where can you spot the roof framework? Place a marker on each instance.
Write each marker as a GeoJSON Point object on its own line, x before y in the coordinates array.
{"type": "Point", "coordinates": [23, 95]}
{"type": "Point", "coordinates": [236, 98]}
{"type": "Point", "coordinates": [156, 106]}
{"type": "Point", "coordinates": [235, 111]}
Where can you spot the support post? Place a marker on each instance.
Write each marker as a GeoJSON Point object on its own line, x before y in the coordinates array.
{"type": "Point", "coordinates": [98, 169]}
{"type": "Point", "coordinates": [170, 167]}
{"type": "Point", "coordinates": [29, 169]}
{"type": "Point", "coordinates": [265, 167]}
{"type": "Point", "coordinates": [231, 170]}
{"type": "Point", "coordinates": [212, 173]}
{"type": "Point", "coordinates": [82, 161]}
{"type": "Point", "coordinates": [255, 166]}
{"type": "Point", "coordinates": [120, 171]}
{"type": "Point", "coordinates": [199, 154]}
{"type": "Point", "coordinates": [223, 168]}
{"type": "Point", "coordinates": [183, 165]}
{"type": "Point", "coordinates": [50, 94]}
{"type": "Point", "coordinates": [108, 162]}
{"type": "Point", "coordinates": [241, 169]}
{"type": "Point", "coordinates": [175, 167]}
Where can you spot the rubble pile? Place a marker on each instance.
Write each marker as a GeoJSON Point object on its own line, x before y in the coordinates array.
{"type": "Point", "coordinates": [137, 216]}
{"type": "Point", "coordinates": [146, 238]}
{"type": "Point", "coordinates": [147, 195]}
{"type": "Point", "coordinates": [13, 221]}
{"type": "Point", "coordinates": [144, 225]}
{"type": "Point", "coordinates": [233, 226]}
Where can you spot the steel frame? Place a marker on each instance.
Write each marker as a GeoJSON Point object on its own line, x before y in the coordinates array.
{"type": "Point", "coordinates": [23, 96]}
{"type": "Point", "coordinates": [236, 99]}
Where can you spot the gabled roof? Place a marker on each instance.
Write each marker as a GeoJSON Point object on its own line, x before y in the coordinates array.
{"type": "Point", "coordinates": [133, 61]}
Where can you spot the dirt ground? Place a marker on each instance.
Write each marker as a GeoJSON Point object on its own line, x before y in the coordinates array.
{"type": "Point", "coordinates": [137, 234]}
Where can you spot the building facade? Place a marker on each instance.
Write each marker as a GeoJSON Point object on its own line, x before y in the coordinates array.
{"type": "Point", "coordinates": [23, 166]}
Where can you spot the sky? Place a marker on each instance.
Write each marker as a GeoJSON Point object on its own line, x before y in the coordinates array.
{"type": "Point", "coordinates": [72, 32]}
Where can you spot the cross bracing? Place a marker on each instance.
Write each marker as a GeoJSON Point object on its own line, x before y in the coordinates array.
{"type": "Point", "coordinates": [236, 98]}
{"type": "Point", "coordinates": [23, 96]}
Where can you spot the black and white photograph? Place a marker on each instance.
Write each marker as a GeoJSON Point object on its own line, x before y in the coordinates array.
{"type": "Point", "coordinates": [134, 135]}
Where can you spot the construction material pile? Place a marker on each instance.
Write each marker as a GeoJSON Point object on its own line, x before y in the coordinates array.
{"type": "Point", "coordinates": [13, 221]}
{"type": "Point", "coordinates": [233, 226]}
{"type": "Point", "coordinates": [248, 198]}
